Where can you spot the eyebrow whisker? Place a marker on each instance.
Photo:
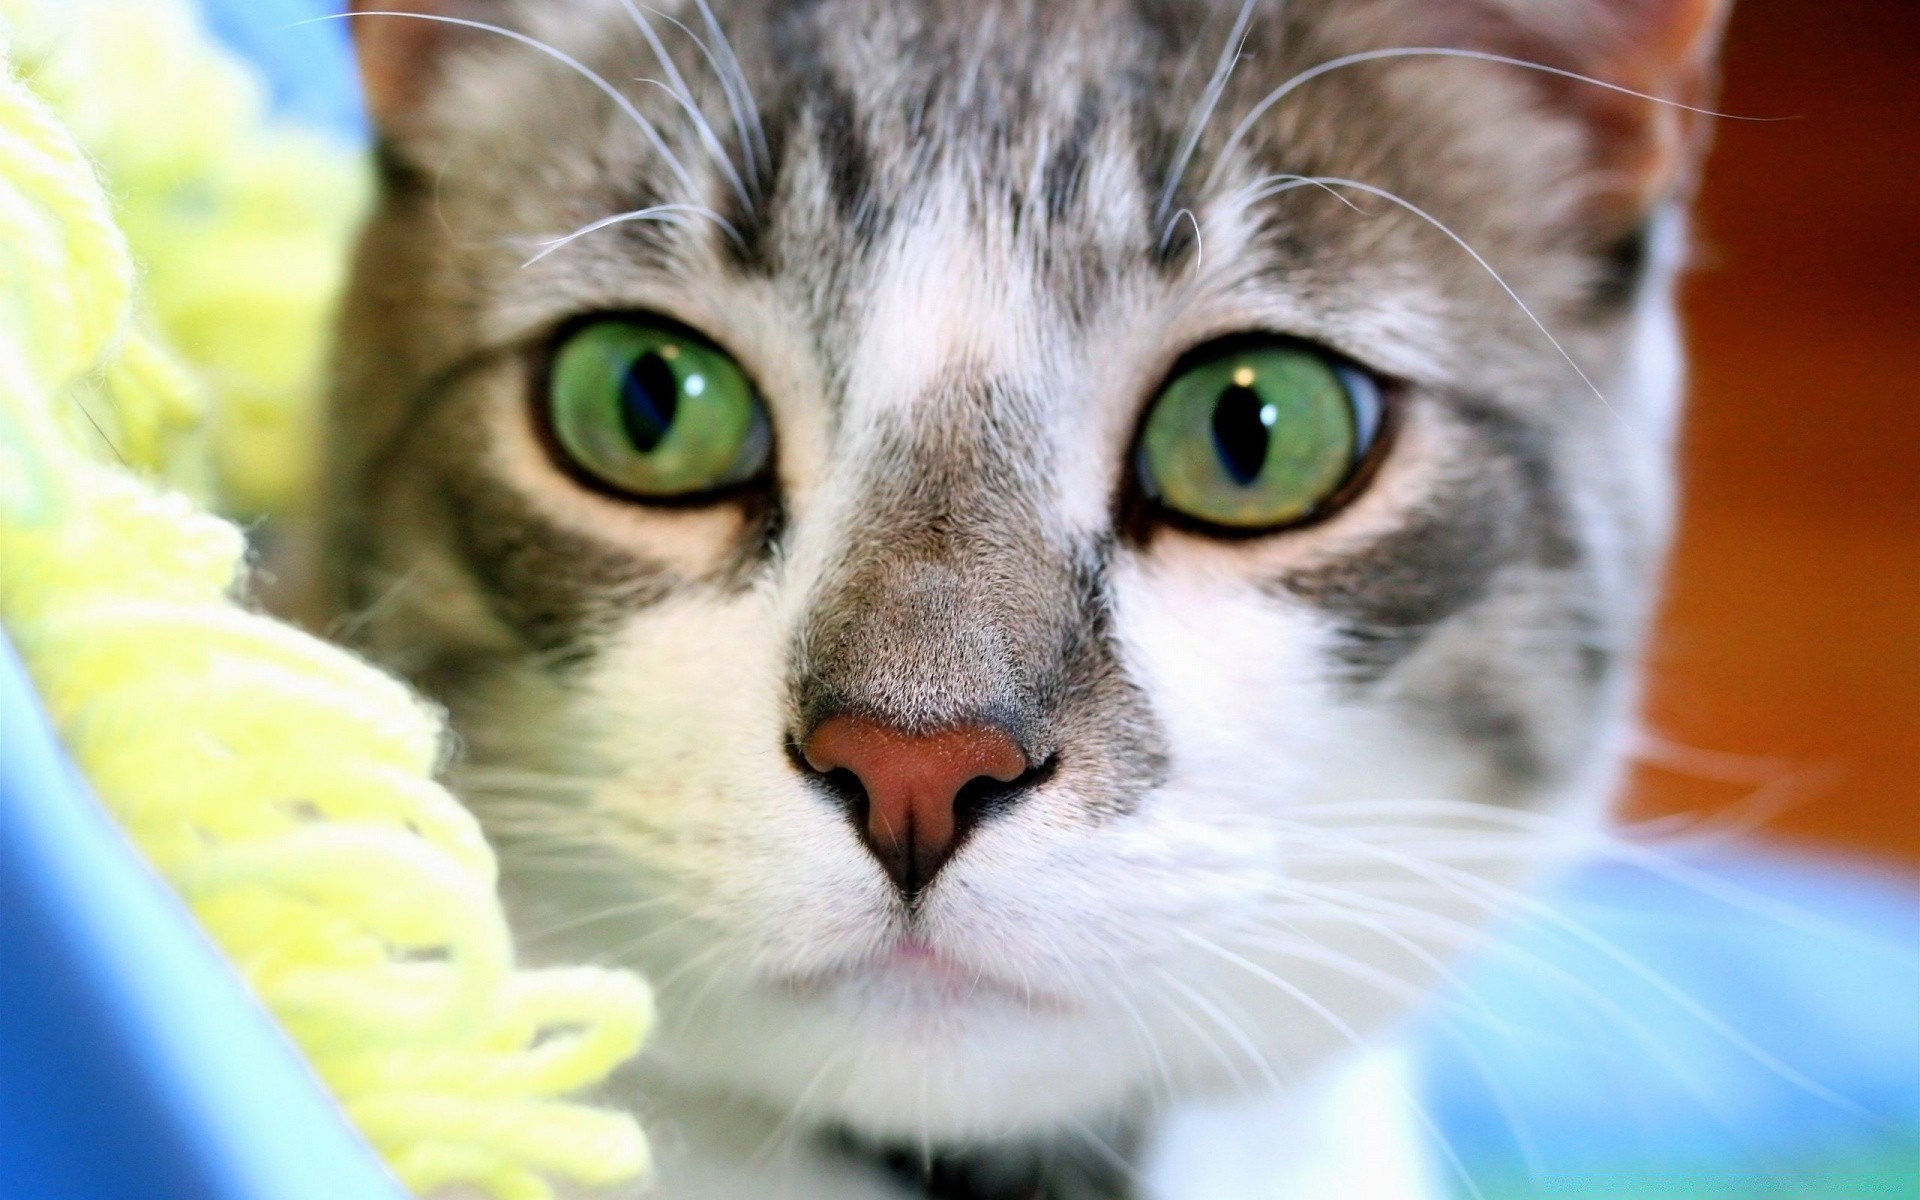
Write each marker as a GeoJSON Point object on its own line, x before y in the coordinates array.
{"type": "Point", "coordinates": [669, 214]}
{"type": "Point", "coordinates": [1280, 93]}
{"type": "Point", "coordinates": [676, 86]}
{"type": "Point", "coordinates": [573, 64]}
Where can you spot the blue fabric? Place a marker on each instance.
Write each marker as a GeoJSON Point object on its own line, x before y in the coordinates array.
{"type": "Point", "coordinates": [133, 1062]}
{"type": "Point", "coordinates": [306, 63]}
{"type": "Point", "coordinates": [1755, 1020]}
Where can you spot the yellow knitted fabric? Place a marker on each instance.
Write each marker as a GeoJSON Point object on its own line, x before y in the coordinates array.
{"type": "Point", "coordinates": [238, 226]}
{"type": "Point", "coordinates": [285, 788]}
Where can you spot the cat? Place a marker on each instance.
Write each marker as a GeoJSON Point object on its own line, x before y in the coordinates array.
{"type": "Point", "coordinates": [1040, 566]}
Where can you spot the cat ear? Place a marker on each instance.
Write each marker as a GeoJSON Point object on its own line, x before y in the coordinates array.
{"type": "Point", "coordinates": [401, 43]}
{"type": "Point", "coordinates": [1663, 48]}
{"type": "Point", "coordinates": [1644, 150]}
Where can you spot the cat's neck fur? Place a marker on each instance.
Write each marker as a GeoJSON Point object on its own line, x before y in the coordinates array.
{"type": "Point", "coordinates": [1358, 1133]}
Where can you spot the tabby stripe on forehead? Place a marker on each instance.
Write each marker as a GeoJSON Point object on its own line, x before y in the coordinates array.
{"type": "Point", "coordinates": [849, 164]}
{"type": "Point", "coordinates": [1066, 170]}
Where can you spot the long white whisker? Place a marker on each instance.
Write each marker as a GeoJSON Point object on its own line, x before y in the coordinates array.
{"type": "Point", "coordinates": [598, 915]}
{"type": "Point", "coordinates": [1260, 189]}
{"type": "Point", "coordinates": [1346, 1030]}
{"type": "Point", "coordinates": [1273, 185]}
{"type": "Point", "coordinates": [1199, 243]}
{"type": "Point", "coordinates": [1212, 1043]}
{"type": "Point", "coordinates": [747, 113]}
{"type": "Point", "coordinates": [790, 1120]}
{"type": "Point", "coordinates": [1265, 976]}
{"type": "Point", "coordinates": [1280, 93]}
{"type": "Point", "coordinates": [1456, 239]}
{"type": "Point", "coordinates": [1498, 898]}
{"type": "Point", "coordinates": [670, 214]}
{"type": "Point", "coordinates": [1209, 100]}
{"type": "Point", "coordinates": [1339, 904]}
{"type": "Point", "coordinates": [1537, 834]}
{"type": "Point", "coordinates": [676, 86]}
{"type": "Point", "coordinates": [1300, 945]}
{"type": "Point", "coordinates": [1113, 1157]}
{"type": "Point", "coordinates": [558, 55]}
{"type": "Point", "coordinates": [1468, 935]}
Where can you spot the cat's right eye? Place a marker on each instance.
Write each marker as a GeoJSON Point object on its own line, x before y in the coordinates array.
{"type": "Point", "coordinates": [654, 411]}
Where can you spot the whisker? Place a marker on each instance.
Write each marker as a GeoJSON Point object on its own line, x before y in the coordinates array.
{"type": "Point", "coordinates": [1280, 93]}
{"type": "Point", "coordinates": [1273, 185]}
{"type": "Point", "coordinates": [1209, 100]}
{"type": "Point", "coordinates": [1477, 257]}
{"type": "Point", "coordinates": [348, 627]}
{"type": "Point", "coordinates": [1539, 834]}
{"type": "Point", "coordinates": [1346, 1030]}
{"type": "Point", "coordinates": [1265, 976]}
{"type": "Point", "coordinates": [1594, 1000]}
{"type": "Point", "coordinates": [676, 86]}
{"type": "Point", "coordinates": [1500, 898]}
{"type": "Point", "coordinates": [573, 64]}
{"type": "Point", "coordinates": [1667, 754]}
{"type": "Point", "coordinates": [628, 909]}
{"type": "Point", "coordinates": [1199, 244]}
{"type": "Point", "coordinates": [726, 67]}
{"type": "Point", "coordinates": [1211, 1042]}
{"type": "Point", "coordinates": [1113, 1158]}
{"type": "Point", "coordinates": [787, 1127]}
{"type": "Point", "coordinates": [666, 213]}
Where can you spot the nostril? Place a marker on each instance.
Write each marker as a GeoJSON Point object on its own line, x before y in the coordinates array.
{"type": "Point", "coordinates": [845, 785]}
{"type": "Point", "coordinates": [914, 795]}
{"type": "Point", "coordinates": [984, 796]}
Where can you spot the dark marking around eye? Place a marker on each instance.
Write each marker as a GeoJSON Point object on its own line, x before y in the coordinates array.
{"type": "Point", "coordinates": [649, 400]}
{"type": "Point", "coordinates": [1391, 594]}
{"type": "Point", "coordinates": [1239, 434]}
{"type": "Point", "coordinates": [396, 173]}
{"type": "Point", "coordinates": [1553, 543]}
{"type": "Point", "coordinates": [555, 588]}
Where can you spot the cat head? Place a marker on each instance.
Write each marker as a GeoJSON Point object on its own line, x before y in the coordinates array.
{"type": "Point", "coordinates": [1016, 556]}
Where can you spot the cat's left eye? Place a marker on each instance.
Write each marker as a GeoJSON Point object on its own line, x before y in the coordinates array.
{"type": "Point", "coordinates": [652, 410]}
{"type": "Point", "coordinates": [1253, 435]}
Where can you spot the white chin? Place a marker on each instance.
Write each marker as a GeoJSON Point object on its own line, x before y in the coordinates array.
{"type": "Point", "coordinates": [913, 1060]}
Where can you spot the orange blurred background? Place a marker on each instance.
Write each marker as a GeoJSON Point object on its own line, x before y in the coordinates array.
{"type": "Point", "coordinates": [1790, 639]}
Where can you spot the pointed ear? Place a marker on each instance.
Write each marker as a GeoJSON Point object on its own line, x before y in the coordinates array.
{"type": "Point", "coordinates": [401, 44]}
{"type": "Point", "coordinates": [1644, 150]}
{"type": "Point", "coordinates": [1664, 48]}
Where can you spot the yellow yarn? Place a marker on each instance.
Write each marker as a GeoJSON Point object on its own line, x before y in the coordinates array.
{"type": "Point", "coordinates": [238, 226]}
{"type": "Point", "coordinates": [284, 787]}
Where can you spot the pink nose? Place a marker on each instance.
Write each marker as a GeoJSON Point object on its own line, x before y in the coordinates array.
{"type": "Point", "coordinates": [913, 785]}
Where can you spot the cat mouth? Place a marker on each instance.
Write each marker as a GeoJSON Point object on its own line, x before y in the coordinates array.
{"type": "Point", "coordinates": [920, 975]}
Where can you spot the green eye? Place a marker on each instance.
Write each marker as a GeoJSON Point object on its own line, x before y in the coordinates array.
{"type": "Point", "coordinates": [1257, 435]}
{"type": "Point", "coordinates": [655, 411]}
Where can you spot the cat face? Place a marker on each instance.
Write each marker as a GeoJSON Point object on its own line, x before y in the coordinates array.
{"type": "Point", "coordinates": [1027, 571]}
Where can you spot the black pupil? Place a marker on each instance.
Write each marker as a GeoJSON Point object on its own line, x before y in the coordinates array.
{"type": "Point", "coordinates": [1239, 434]}
{"type": "Point", "coordinates": [649, 398]}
